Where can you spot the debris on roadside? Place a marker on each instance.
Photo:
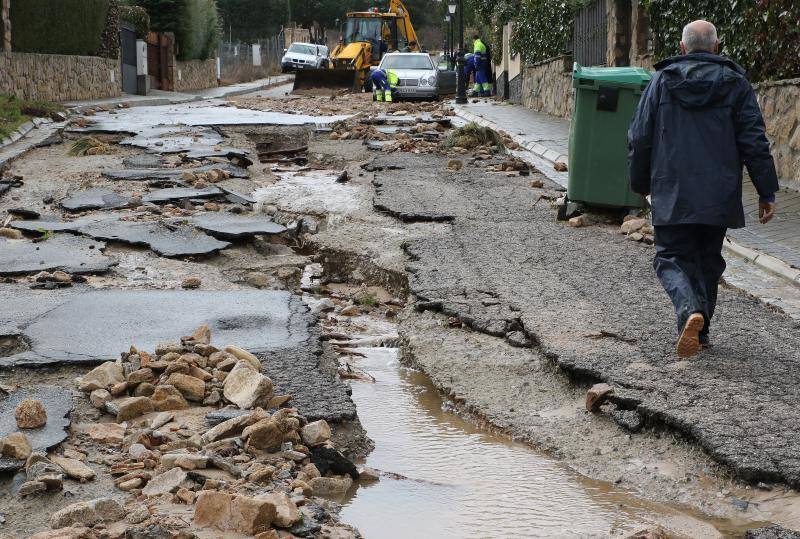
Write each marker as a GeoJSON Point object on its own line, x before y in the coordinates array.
{"type": "Point", "coordinates": [638, 229]}
{"type": "Point", "coordinates": [581, 221]}
{"type": "Point", "coordinates": [473, 136]}
{"type": "Point", "coordinates": [90, 146]}
{"type": "Point", "coordinates": [196, 425]}
{"type": "Point", "coordinates": [597, 395]}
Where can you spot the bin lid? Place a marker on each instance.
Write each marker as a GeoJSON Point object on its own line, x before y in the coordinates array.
{"type": "Point", "coordinates": [628, 76]}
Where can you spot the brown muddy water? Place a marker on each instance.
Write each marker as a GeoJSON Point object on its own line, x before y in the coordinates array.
{"type": "Point", "coordinates": [444, 476]}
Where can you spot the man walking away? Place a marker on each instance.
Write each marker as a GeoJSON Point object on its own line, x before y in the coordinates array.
{"type": "Point", "coordinates": [697, 123]}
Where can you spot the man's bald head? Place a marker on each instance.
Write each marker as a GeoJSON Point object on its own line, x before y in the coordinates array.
{"type": "Point", "coordinates": [699, 36]}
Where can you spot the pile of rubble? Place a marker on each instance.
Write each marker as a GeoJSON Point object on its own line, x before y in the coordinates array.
{"type": "Point", "coordinates": [193, 425]}
{"type": "Point", "coordinates": [638, 229]}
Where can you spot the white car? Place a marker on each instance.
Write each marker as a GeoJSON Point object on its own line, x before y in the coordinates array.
{"type": "Point", "coordinates": [304, 56]}
{"type": "Point", "coordinates": [418, 76]}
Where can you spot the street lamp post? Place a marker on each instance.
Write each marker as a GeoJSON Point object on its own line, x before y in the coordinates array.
{"type": "Point", "coordinates": [454, 6]}
{"type": "Point", "coordinates": [449, 41]}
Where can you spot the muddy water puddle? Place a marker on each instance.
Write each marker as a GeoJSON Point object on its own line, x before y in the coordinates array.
{"type": "Point", "coordinates": [443, 476]}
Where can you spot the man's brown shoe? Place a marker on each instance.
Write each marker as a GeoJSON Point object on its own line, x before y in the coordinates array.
{"type": "Point", "coordinates": [689, 341]}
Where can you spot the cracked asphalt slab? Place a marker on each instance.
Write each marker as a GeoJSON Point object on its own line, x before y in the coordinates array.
{"type": "Point", "coordinates": [504, 266]}
{"type": "Point", "coordinates": [83, 326]}
{"type": "Point", "coordinates": [61, 252]}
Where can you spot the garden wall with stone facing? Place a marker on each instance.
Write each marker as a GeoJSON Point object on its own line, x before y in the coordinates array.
{"type": "Point", "coordinates": [55, 77]}
{"type": "Point", "coordinates": [195, 75]}
{"type": "Point", "coordinates": [547, 86]}
{"type": "Point", "coordinates": [780, 102]}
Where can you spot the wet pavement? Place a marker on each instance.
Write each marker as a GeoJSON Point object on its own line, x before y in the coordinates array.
{"type": "Point", "coordinates": [66, 253]}
{"type": "Point", "coordinates": [445, 476]}
{"type": "Point", "coordinates": [736, 400]}
{"type": "Point", "coordinates": [93, 326]}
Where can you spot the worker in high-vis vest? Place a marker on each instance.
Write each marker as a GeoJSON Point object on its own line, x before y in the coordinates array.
{"type": "Point", "coordinates": [384, 83]}
{"type": "Point", "coordinates": [482, 85]}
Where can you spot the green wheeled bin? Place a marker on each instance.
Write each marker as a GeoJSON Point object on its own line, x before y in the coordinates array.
{"type": "Point", "coordinates": [605, 102]}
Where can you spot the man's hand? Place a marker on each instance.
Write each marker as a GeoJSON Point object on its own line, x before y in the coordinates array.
{"type": "Point", "coordinates": [766, 211]}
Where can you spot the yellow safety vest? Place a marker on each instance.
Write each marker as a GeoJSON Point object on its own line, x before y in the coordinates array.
{"type": "Point", "coordinates": [394, 80]}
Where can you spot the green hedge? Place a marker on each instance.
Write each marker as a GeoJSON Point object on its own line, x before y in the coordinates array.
{"type": "Point", "coordinates": [58, 27]}
{"type": "Point", "coordinates": [763, 36]}
{"type": "Point", "coordinates": [138, 17]}
{"type": "Point", "coordinates": [195, 24]}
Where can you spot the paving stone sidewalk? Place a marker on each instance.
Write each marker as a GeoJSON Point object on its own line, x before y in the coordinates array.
{"type": "Point", "coordinates": [547, 136]}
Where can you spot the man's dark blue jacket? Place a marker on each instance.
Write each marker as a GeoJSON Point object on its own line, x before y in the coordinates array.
{"type": "Point", "coordinates": [697, 124]}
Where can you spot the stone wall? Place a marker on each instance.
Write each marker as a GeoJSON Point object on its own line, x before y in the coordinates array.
{"type": "Point", "coordinates": [55, 77]}
{"type": "Point", "coordinates": [195, 75]}
{"type": "Point", "coordinates": [780, 103]}
{"type": "Point", "coordinates": [547, 86]}
{"type": "Point", "coordinates": [515, 90]}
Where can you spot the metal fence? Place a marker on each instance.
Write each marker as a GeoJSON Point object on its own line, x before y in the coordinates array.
{"type": "Point", "coordinates": [241, 62]}
{"type": "Point", "coordinates": [590, 35]}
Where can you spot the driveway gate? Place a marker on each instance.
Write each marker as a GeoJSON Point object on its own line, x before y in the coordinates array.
{"type": "Point", "coordinates": [590, 35]}
{"type": "Point", "coordinates": [127, 39]}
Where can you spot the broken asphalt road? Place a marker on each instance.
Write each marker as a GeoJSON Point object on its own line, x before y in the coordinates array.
{"type": "Point", "coordinates": [505, 267]}
{"type": "Point", "coordinates": [79, 326]}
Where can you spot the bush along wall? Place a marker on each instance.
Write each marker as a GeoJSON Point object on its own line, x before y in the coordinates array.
{"type": "Point", "coordinates": [109, 39]}
{"type": "Point", "coordinates": [73, 27]}
{"type": "Point", "coordinates": [762, 35]}
{"type": "Point", "coordinates": [138, 17]}
{"type": "Point", "coordinates": [195, 24]}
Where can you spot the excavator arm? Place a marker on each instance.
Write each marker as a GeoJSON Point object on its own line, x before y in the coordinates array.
{"type": "Point", "coordinates": [404, 26]}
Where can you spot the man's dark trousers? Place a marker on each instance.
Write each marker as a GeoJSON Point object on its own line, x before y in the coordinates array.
{"type": "Point", "coordinates": [689, 264]}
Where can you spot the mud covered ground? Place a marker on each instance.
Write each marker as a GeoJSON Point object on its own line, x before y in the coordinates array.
{"type": "Point", "coordinates": [515, 315]}
{"type": "Point", "coordinates": [511, 314]}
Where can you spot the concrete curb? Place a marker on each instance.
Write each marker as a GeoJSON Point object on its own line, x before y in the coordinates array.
{"type": "Point", "coordinates": [534, 147]}
{"type": "Point", "coordinates": [23, 130]}
{"type": "Point", "coordinates": [764, 261]}
{"type": "Point", "coordinates": [178, 98]}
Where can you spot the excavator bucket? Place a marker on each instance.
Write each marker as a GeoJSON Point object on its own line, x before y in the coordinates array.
{"type": "Point", "coordinates": [326, 80]}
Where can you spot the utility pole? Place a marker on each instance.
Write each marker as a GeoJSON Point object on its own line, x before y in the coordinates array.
{"type": "Point", "coordinates": [461, 96]}
{"type": "Point", "coordinates": [5, 15]}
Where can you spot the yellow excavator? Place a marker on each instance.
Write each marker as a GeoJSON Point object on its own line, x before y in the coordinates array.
{"type": "Point", "coordinates": [366, 37]}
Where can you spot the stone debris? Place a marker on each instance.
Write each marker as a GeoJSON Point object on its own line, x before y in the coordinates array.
{"type": "Point", "coordinates": [638, 229]}
{"type": "Point", "coordinates": [580, 221]}
{"type": "Point", "coordinates": [88, 513]}
{"type": "Point", "coordinates": [11, 233]}
{"type": "Point", "coordinates": [30, 414]}
{"type": "Point", "coordinates": [249, 465]}
{"type": "Point", "coordinates": [16, 446]}
{"type": "Point", "coordinates": [73, 468]}
{"type": "Point", "coordinates": [597, 395]}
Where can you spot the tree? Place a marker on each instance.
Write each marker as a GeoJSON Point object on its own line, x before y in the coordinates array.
{"type": "Point", "coordinates": [250, 20]}
{"type": "Point", "coordinates": [195, 24]}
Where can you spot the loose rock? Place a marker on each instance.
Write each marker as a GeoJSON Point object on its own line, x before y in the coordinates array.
{"type": "Point", "coordinates": [316, 433]}
{"type": "Point", "coordinates": [597, 395]}
{"type": "Point", "coordinates": [16, 446]}
{"type": "Point", "coordinates": [247, 388]}
{"type": "Point", "coordinates": [30, 414]}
